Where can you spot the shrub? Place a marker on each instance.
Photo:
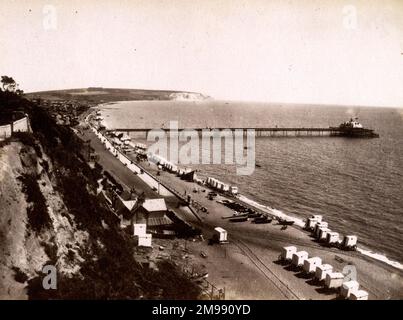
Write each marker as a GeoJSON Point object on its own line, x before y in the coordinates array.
{"type": "Point", "coordinates": [38, 216]}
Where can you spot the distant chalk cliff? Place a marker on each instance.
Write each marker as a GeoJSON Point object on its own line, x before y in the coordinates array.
{"type": "Point", "coordinates": [186, 96]}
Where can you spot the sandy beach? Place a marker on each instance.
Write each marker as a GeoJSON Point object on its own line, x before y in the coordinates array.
{"type": "Point", "coordinates": [247, 267]}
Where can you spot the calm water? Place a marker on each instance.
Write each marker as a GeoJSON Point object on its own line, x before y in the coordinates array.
{"type": "Point", "coordinates": [355, 183]}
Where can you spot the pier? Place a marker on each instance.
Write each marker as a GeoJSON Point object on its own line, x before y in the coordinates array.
{"type": "Point", "coordinates": [270, 132]}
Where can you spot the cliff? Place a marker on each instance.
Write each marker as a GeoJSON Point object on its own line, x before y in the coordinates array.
{"type": "Point", "coordinates": [50, 215]}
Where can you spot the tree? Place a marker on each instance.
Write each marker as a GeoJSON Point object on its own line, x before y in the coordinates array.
{"type": "Point", "coordinates": [9, 84]}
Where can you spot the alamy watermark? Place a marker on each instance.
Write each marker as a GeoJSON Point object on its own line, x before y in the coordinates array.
{"type": "Point", "coordinates": [50, 280]}
{"type": "Point", "coordinates": [49, 21]}
{"type": "Point", "coordinates": [204, 146]}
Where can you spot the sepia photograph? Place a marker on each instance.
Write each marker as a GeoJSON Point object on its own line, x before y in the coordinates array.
{"type": "Point", "coordinates": [209, 150]}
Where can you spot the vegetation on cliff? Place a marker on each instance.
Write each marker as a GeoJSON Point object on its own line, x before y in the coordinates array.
{"type": "Point", "coordinates": [108, 269]}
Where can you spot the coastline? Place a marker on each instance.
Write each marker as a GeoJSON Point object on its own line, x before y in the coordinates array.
{"type": "Point", "coordinates": [260, 246]}
{"type": "Point", "coordinates": [280, 214]}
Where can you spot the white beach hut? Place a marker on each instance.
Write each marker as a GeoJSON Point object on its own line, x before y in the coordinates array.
{"type": "Point", "coordinates": [348, 287]}
{"type": "Point", "coordinates": [298, 258]}
{"type": "Point", "coordinates": [310, 223]}
{"type": "Point", "coordinates": [332, 237]}
{"type": "Point", "coordinates": [322, 234]}
{"type": "Point", "coordinates": [221, 234]}
{"type": "Point", "coordinates": [287, 252]}
{"type": "Point", "coordinates": [318, 226]}
{"type": "Point", "coordinates": [349, 241]}
{"type": "Point", "coordinates": [311, 264]}
{"type": "Point", "coordinates": [139, 229]}
{"type": "Point", "coordinates": [144, 240]}
{"type": "Point", "coordinates": [334, 280]}
{"type": "Point", "coordinates": [317, 217]}
{"type": "Point", "coordinates": [358, 295]}
{"type": "Point", "coordinates": [322, 270]}
{"type": "Point", "coordinates": [234, 189]}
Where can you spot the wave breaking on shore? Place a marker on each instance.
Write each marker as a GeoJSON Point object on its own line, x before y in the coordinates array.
{"type": "Point", "coordinates": [299, 222]}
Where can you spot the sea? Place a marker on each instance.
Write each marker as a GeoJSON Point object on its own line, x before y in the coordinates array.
{"type": "Point", "coordinates": [356, 184]}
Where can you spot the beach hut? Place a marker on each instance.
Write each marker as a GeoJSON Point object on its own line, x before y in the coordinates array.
{"type": "Point", "coordinates": [310, 223]}
{"type": "Point", "coordinates": [220, 234]}
{"type": "Point", "coordinates": [298, 258]}
{"type": "Point", "coordinates": [320, 225]}
{"type": "Point", "coordinates": [348, 287]}
{"type": "Point", "coordinates": [139, 229]}
{"type": "Point", "coordinates": [317, 217]}
{"type": "Point", "coordinates": [287, 252]}
{"type": "Point", "coordinates": [334, 280]}
{"type": "Point", "coordinates": [144, 240]}
{"type": "Point", "coordinates": [332, 237]}
{"type": "Point", "coordinates": [349, 242]}
{"type": "Point", "coordinates": [322, 270]}
{"type": "Point", "coordinates": [234, 190]}
{"type": "Point", "coordinates": [225, 187]}
{"type": "Point", "coordinates": [358, 295]}
{"type": "Point", "coordinates": [323, 231]}
{"type": "Point", "coordinates": [311, 264]}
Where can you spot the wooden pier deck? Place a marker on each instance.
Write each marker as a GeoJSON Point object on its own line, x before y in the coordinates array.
{"type": "Point", "coordinates": [269, 132]}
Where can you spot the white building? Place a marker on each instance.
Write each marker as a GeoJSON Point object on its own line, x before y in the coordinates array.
{"type": "Point", "coordinates": [358, 295]}
{"type": "Point", "coordinates": [144, 240]}
{"type": "Point", "coordinates": [323, 231]}
{"type": "Point", "coordinates": [139, 229]}
{"type": "Point", "coordinates": [349, 241]}
{"type": "Point", "coordinates": [287, 252]}
{"type": "Point", "coordinates": [334, 280]}
{"type": "Point", "coordinates": [318, 226]}
{"type": "Point", "coordinates": [298, 258]}
{"type": "Point", "coordinates": [311, 264]}
{"type": "Point", "coordinates": [348, 287]}
{"type": "Point", "coordinates": [322, 271]}
{"type": "Point", "coordinates": [221, 234]}
{"type": "Point", "coordinates": [332, 237]}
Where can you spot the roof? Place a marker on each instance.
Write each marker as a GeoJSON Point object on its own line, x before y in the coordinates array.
{"type": "Point", "coordinates": [161, 221]}
{"type": "Point", "coordinates": [129, 204]}
{"type": "Point", "coordinates": [124, 206]}
{"type": "Point", "coordinates": [152, 205]}
{"type": "Point", "coordinates": [219, 229]}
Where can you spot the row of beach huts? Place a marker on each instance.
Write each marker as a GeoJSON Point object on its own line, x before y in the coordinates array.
{"type": "Point", "coordinates": [323, 273]}
{"type": "Point", "coordinates": [320, 230]}
{"type": "Point", "coordinates": [211, 182]}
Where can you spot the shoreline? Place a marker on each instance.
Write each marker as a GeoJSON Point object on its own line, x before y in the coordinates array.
{"type": "Point", "coordinates": [256, 248]}
{"type": "Point", "coordinates": [297, 220]}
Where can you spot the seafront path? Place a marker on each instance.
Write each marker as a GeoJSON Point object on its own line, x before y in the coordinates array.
{"type": "Point", "coordinates": [246, 266]}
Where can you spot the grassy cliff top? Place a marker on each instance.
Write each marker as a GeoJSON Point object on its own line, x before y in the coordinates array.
{"type": "Point", "coordinates": [99, 94]}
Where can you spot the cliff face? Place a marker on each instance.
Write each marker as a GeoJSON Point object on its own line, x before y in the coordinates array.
{"type": "Point", "coordinates": [50, 215]}
{"type": "Point", "coordinates": [186, 96]}
{"type": "Point", "coordinates": [35, 226]}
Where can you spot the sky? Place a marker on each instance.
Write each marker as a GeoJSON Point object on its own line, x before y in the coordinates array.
{"type": "Point", "coordinates": [296, 51]}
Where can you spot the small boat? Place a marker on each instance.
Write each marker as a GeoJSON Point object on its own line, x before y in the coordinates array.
{"type": "Point", "coordinates": [236, 215]}
{"type": "Point", "coordinates": [263, 219]}
{"type": "Point", "coordinates": [254, 215]}
{"type": "Point", "coordinates": [285, 222]}
{"type": "Point", "coordinates": [239, 219]}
